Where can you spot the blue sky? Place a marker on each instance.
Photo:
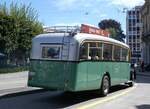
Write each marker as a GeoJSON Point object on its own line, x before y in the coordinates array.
{"type": "Point", "coordinates": [75, 12]}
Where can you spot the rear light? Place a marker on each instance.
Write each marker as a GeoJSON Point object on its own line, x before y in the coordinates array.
{"type": "Point", "coordinates": [31, 75]}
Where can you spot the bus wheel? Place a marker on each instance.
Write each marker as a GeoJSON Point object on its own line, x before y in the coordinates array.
{"type": "Point", "coordinates": [105, 85]}
{"type": "Point", "coordinates": [132, 79]}
{"type": "Point", "coordinates": [133, 76]}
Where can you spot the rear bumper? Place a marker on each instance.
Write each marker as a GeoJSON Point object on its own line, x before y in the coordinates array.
{"type": "Point", "coordinates": [51, 86]}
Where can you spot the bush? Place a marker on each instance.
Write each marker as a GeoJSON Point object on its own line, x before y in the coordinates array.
{"type": "Point", "coordinates": [13, 69]}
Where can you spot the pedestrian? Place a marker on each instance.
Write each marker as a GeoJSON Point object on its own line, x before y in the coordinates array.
{"type": "Point", "coordinates": [142, 66]}
{"type": "Point", "coordinates": [135, 70]}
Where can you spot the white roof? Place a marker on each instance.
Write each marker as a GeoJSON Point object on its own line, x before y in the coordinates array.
{"type": "Point", "coordinates": [50, 38]}
{"type": "Point", "coordinates": [83, 36]}
{"type": "Point", "coordinates": [79, 37]}
{"type": "Point", "coordinates": [51, 35]}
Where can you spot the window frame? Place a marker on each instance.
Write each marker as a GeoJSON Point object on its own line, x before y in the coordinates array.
{"type": "Point", "coordinates": [114, 52]}
{"type": "Point", "coordinates": [50, 45]}
{"type": "Point", "coordinates": [106, 42]}
{"type": "Point", "coordinates": [88, 51]}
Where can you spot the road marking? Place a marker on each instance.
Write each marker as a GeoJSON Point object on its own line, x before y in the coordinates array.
{"type": "Point", "coordinates": [106, 99]}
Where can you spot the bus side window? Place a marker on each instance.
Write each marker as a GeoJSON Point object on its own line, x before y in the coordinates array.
{"type": "Point", "coordinates": [124, 56]}
{"type": "Point", "coordinates": [84, 51]}
{"type": "Point", "coordinates": [107, 51]}
{"type": "Point", "coordinates": [117, 53]}
{"type": "Point", "coordinates": [95, 50]}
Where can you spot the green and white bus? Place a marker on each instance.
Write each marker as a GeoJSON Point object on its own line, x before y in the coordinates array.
{"type": "Point", "coordinates": [78, 62]}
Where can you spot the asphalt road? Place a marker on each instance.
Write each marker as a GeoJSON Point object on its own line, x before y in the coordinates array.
{"type": "Point", "coordinates": [120, 97]}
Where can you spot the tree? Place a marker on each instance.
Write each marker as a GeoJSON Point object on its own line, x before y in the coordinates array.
{"type": "Point", "coordinates": [114, 29]}
{"type": "Point", "coordinates": [18, 25]}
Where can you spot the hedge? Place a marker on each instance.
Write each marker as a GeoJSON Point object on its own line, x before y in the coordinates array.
{"type": "Point", "coordinates": [13, 69]}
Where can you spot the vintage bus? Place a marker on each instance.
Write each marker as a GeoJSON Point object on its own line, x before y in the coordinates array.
{"type": "Point", "coordinates": [78, 61]}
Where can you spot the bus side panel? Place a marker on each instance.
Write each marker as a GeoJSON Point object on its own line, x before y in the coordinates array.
{"type": "Point", "coordinates": [124, 71]}
{"type": "Point", "coordinates": [81, 76]}
{"type": "Point", "coordinates": [119, 73]}
{"type": "Point", "coordinates": [94, 74]}
{"type": "Point", "coordinates": [90, 73]}
{"type": "Point", "coordinates": [96, 71]}
{"type": "Point", "coordinates": [115, 73]}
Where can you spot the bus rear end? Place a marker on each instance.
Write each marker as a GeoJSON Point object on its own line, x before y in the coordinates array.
{"type": "Point", "coordinates": [48, 68]}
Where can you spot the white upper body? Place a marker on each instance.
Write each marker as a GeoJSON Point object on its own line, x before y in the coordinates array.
{"type": "Point", "coordinates": [67, 45]}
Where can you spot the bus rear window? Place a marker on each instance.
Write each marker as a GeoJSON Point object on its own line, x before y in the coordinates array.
{"type": "Point", "coordinates": [51, 52]}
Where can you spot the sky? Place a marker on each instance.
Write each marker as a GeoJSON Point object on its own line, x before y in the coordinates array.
{"type": "Point", "coordinates": [76, 12]}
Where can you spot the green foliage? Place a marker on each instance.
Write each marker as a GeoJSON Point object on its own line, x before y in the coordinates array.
{"type": "Point", "coordinates": [18, 25]}
{"type": "Point", "coordinates": [112, 32]}
{"type": "Point", "coordinates": [13, 69]}
{"type": "Point", "coordinates": [114, 28]}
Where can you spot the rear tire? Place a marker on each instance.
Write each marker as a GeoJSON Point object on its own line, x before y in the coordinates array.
{"type": "Point", "coordinates": [105, 86]}
{"type": "Point", "coordinates": [132, 76]}
{"type": "Point", "coordinates": [132, 79]}
{"type": "Point", "coordinates": [131, 83]}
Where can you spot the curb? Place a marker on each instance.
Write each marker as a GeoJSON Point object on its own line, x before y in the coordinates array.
{"type": "Point", "coordinates": [143, 74]}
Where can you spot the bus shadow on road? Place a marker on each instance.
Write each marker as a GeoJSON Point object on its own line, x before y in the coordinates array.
{"type": "Point", "coordinates": [144, 106]}
{"type": "Point", "coordinates": [66, 99]}
{"type": "Point", "coordinates": [50, 99]}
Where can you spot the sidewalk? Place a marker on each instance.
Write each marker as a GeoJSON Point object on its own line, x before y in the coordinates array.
{"type": "Point", "coordinates": [13, 80]}
{"type": "Point", "coordinates": [15, 84]}
{"type": "Point", "coordinates": [143, 73]}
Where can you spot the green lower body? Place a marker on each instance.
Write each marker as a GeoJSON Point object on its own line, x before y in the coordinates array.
{"type": "Point", "coordinates": [76, 76]}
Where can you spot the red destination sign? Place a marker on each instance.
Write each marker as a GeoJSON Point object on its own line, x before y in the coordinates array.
{"type": "Point", "coordinates": [93, 30]}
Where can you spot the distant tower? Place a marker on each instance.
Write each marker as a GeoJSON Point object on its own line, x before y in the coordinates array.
{"type": "Point", "coordinates": [133, 31]}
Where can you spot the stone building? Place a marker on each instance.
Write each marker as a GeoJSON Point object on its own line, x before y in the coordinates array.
{"type": "Point", "coordinates": [145, 35]}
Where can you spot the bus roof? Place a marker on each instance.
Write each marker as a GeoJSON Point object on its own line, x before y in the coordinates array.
{"type": "Point", "coordinates": [80, 37]}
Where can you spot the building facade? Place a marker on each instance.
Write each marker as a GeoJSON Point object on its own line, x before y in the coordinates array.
{"type": "Point", "coordinates": [145, 16]}
{"type": "Point", "coordinates": [133, 31]}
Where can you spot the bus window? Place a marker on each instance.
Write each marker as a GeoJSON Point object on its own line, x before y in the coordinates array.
{"type": "Point", "coordinates": [51, 52]}
{"type": "Point", "coordinates": [95, 50]}
{"type": "Point", "coordinates": [107, 51]}
{"type": "Point", "coordinates": [84, 51]}
{"type": "Point", "coordinates": [124, 56]}
{"type": "Point", "coordinates": [117, 53]}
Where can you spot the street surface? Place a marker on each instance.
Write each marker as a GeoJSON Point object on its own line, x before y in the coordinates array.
{"type": "Point", "coordinates": [120, 97]}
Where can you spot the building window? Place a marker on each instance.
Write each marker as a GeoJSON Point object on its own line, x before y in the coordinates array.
{"type": "Point", "coordinates": [138, 36]}
{"type": "Point", "coordinates": [134, 29]}
{"type": "Point", "coordinates": [138, 45]}
{"type": "Point", "coordinates": [133, 12]}
{"type": "Point", "coordinates": [130, 28]}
